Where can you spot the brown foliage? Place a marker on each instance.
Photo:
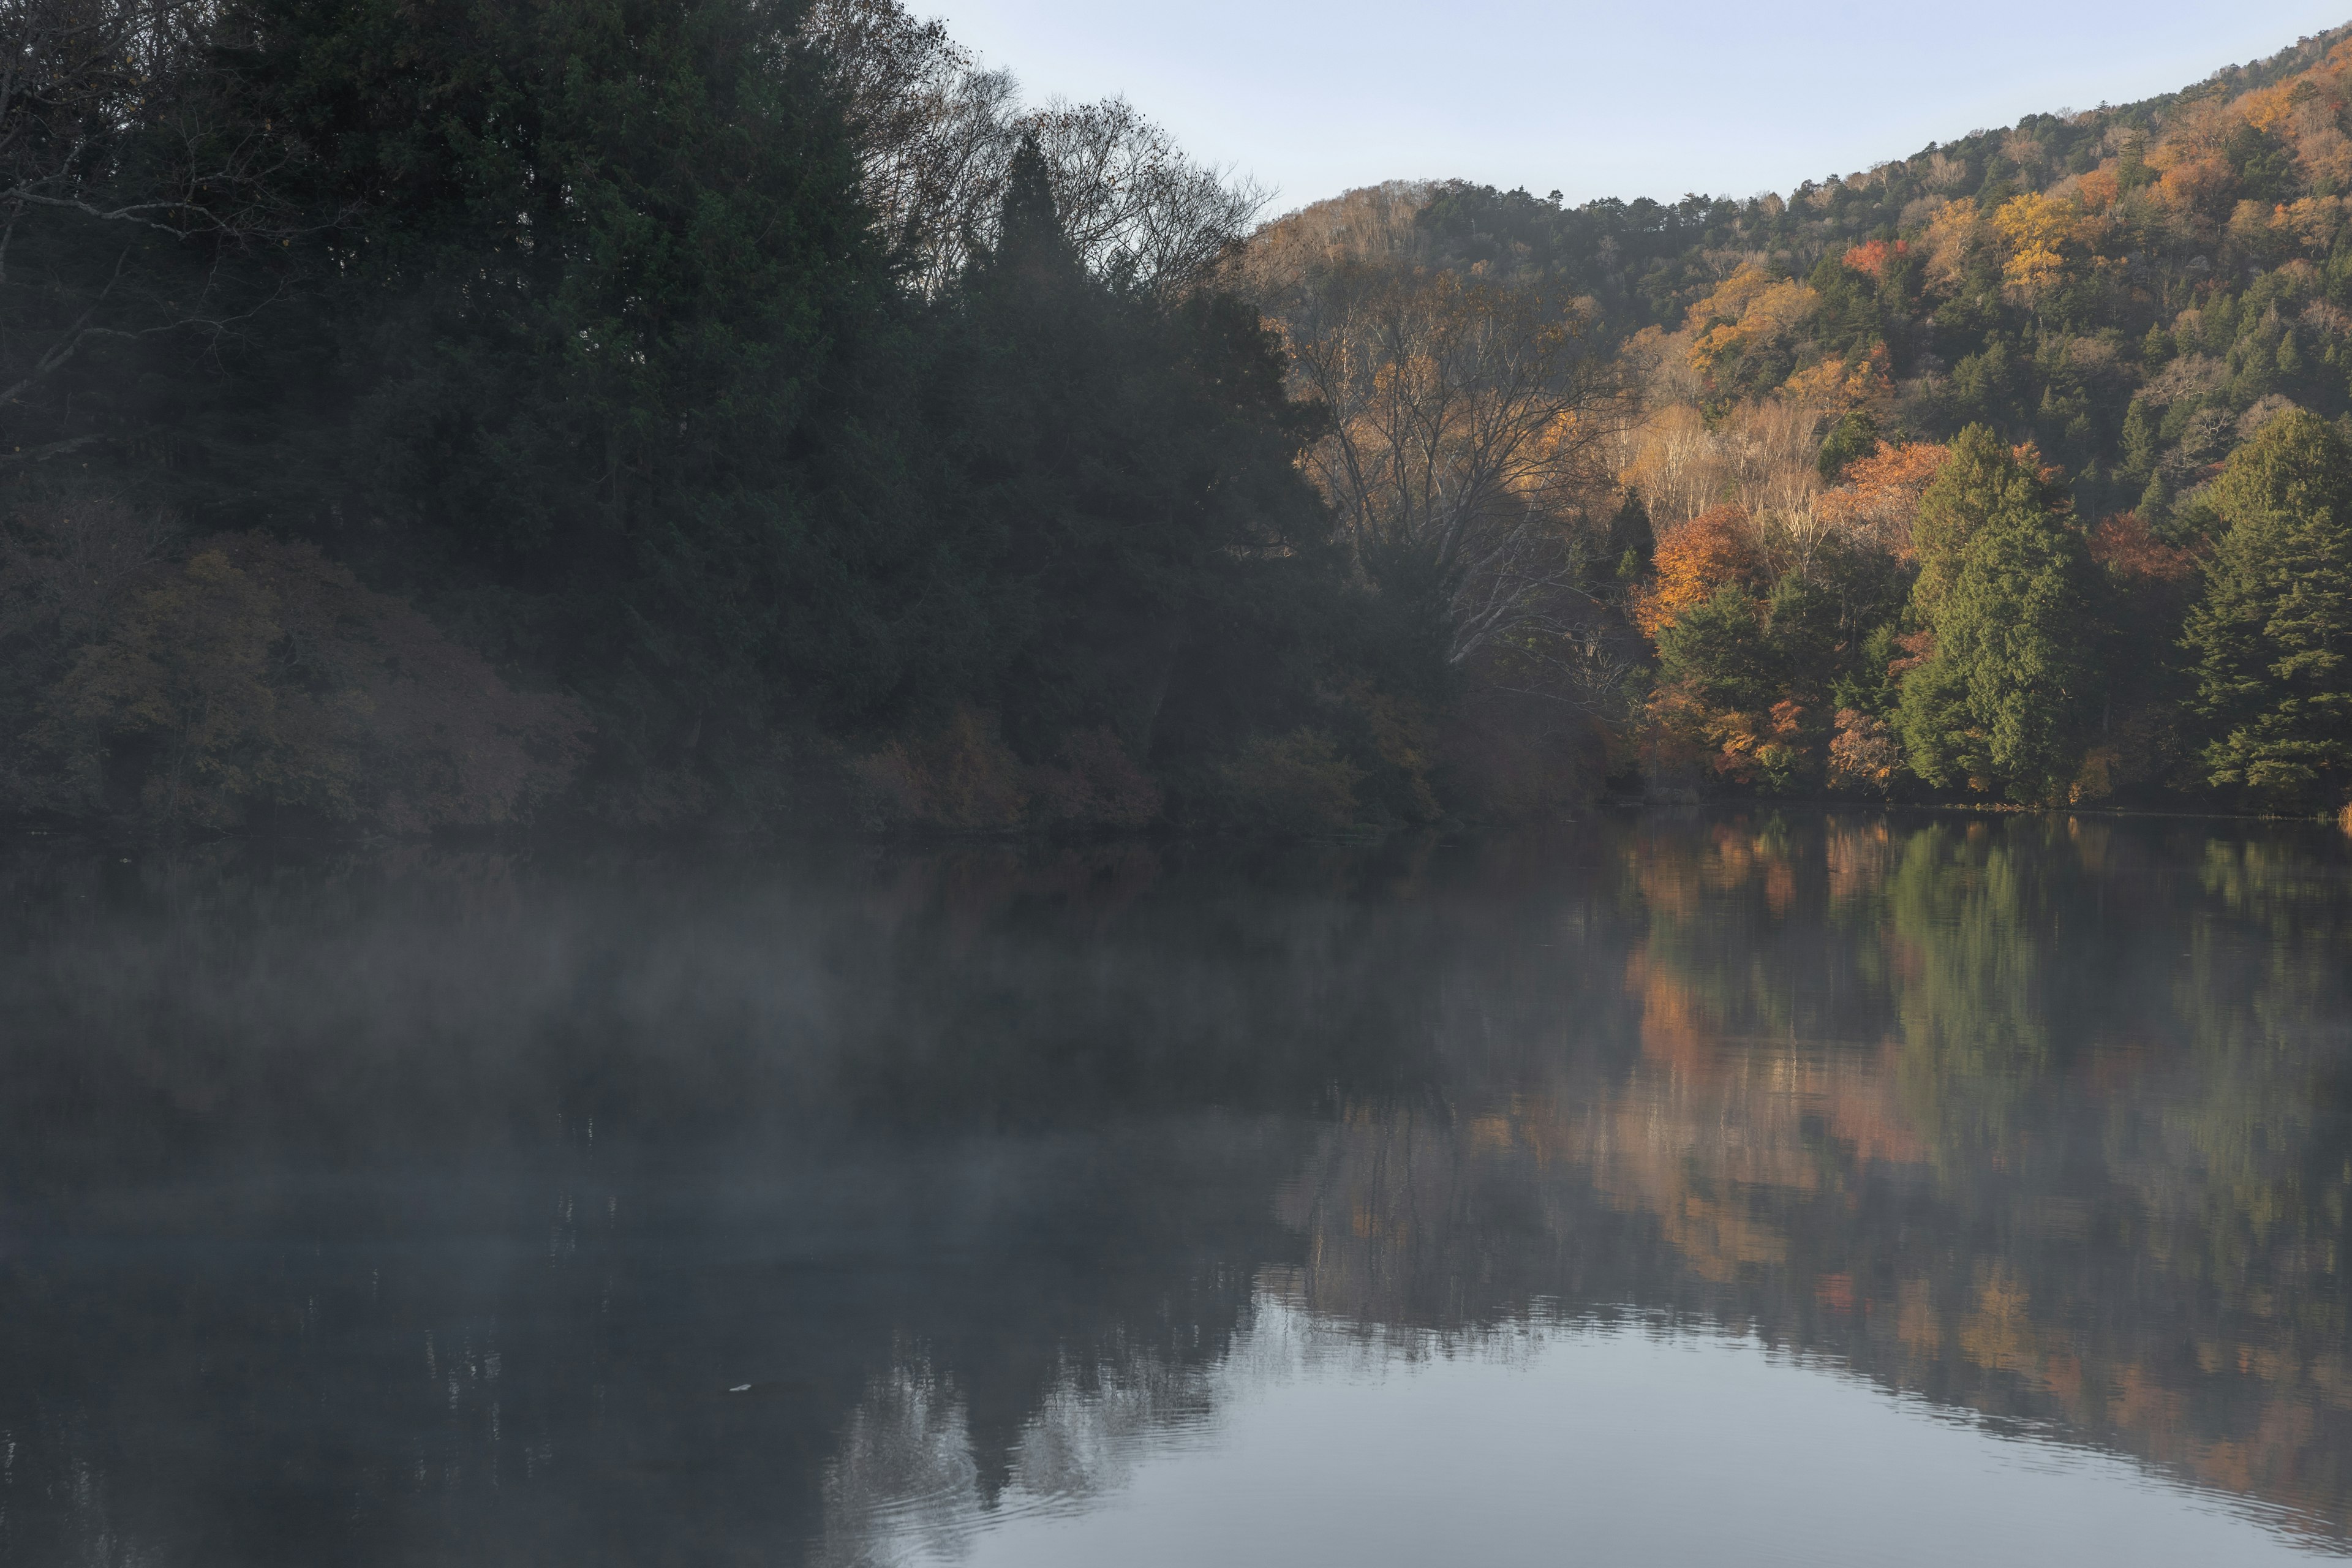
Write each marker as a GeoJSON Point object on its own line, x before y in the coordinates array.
{"type": "Point", "coordinates": [1509, 755]}
{"type": "Point", "coordinates": [1917, 647]}
{"type": "Point", "coordinates": [961, 777]}
{"type": "Point", "coordinates": [1864, 752]}
{"type": "Point", "coordinates": [1777, 748]}
{"type": "Point", "coordinates": [1467, 419]}
{"type": "Point", "coordinates": [1297, 783]}
{"type": "Point", "coordinates": [1093, 782]}
{"type": "Point", "coordinates": [188, 664]}
{"type": "Point", "coordinates": [2202, 187]}
{"type": "Point", "coordinates": [2123, 544]}
{"type": "Point", "coordinates": [255, 674]}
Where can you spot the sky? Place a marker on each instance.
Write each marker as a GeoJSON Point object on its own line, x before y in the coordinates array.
{"type": "Point", "coordinates": [1627, 98]}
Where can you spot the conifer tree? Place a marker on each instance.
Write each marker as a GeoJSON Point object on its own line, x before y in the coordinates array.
{"type": "Point", "coordinates": [2005, 590]}
{"type": "Point", "coordinates": [2273, 638]}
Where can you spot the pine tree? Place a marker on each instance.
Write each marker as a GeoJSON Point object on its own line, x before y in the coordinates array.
{"type": "Point", "coordinates": [1980, 481]}
{"type": "Point", "coordinates": [2140, 440]}
{"type": "Point", "coordinates": [2273, 638]}
{"type": "Point", "coordinates": [2006, 591]}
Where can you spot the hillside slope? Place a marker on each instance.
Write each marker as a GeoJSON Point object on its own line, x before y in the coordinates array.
{"type": "Point", "coordinates": [2188, 253]}
{"type": "Point", "coordinates": [2015, 468]}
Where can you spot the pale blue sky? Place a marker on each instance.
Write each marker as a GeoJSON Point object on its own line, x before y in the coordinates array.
{"type": "Point", "coordinates": [1629, 98]}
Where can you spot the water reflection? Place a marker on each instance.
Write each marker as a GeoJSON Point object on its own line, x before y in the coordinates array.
{"type": "Point", "coordinates": [863, 1209]}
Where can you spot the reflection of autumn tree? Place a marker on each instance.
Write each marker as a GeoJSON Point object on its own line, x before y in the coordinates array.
{"type": "Point", "coordinates": [2036, 1120]}
{"type": "Point", "coordinates": [2104, 1125]}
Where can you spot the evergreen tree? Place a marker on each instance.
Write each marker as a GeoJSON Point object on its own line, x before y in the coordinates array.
{"type": "Point", "coordinates": [1156, 564]}
{"type": "Point", "coordinates": [2273, 638]}
{"type": "Point", "coordinates": [2139, 437]}
{"type": "Point", "coordinates": [595, 276]}
{"type": "Point", "coordinates": [2006, 591]}
{"type": "Point", "coordinates": [1721, 651]}
{"type": "Point", "coordinates": [1982, 479]}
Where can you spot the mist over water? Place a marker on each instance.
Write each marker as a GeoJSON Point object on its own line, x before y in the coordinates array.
{"type": "Point", "coordinates": [1766, 1186]}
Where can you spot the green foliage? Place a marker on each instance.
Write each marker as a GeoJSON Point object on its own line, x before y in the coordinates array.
{"type": "Point", "coordinates": [587, 304]}
{"type": "Point", "coordinates": [1160, 566]}
{"type": "Point", "coordinates": [1721, 650]}
{"type": "Point", "coordinates": [1987, 388]}
{"type": "Point", "coordinates": [2264, 167]}
{"type": "Point", "coordinates": [1870, 686]}
{"type": "Point", "coordinates": [2137, 462]}
{"type": "Point", "coordinates": [2007, 596]}
{"type": "Point", "coordinates": [572, 326]}
{"type": "Point", "coordinates": [2273, 638]}
{"type": "Point", "coordinates": [578, 330]}
{"type": "Point", "coordinates": [1980, 481]}
{"type": "Point", "coordinates": [1856, 435]}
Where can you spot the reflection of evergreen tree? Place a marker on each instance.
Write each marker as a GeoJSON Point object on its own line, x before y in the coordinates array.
{"type": "Point", "coordinates": [1975, 1033]}
{"type": "Point", "coordinates": [989, 1158]}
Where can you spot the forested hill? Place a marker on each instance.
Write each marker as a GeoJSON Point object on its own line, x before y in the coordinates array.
{"type": "Point", "coordinates": [2033, 277]}
{"type": "Point", "coordinates": [2117, 303]}
{"type": "Point", "coordinates": [419, 414]}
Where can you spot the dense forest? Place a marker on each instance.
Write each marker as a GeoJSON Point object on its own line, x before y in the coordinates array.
{"type": "Point", "coordinates": [651, 412]}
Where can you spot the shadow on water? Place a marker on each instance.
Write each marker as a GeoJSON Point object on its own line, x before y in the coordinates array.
{"type": "Point", "coordinates": [434, 1207]}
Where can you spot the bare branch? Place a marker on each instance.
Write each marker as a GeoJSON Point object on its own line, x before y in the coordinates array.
{"type": "Point", "coordinates": [53, 449]}
{"type": "Point", "coordinates": [1467, 419]}
{"type": "Point", "coordinates": [938, 135]}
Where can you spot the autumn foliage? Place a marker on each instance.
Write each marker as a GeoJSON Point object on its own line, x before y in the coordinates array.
{"type": "Point", "coordinates": [1710, 552]}
{"type": "Point", "coordinates": [1875, 257]}
{"type": "Point", "coordinates": [2125, 545]}
{"type": "Point", "coordinates": [1880, 495]}
{"type": "Point", "coordinates": [244, 676]}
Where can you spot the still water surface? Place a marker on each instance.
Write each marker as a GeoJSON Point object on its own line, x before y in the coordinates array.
{"type": "Point", "coordinates": [1694, 1188]}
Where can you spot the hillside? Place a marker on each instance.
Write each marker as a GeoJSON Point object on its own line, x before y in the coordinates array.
{"type": "Point", "coordinates": [2126, 297]}
{"type": "Point", "coordinates": [2186, 251]}
{"type": "Point", "coordinates": [750, 413]}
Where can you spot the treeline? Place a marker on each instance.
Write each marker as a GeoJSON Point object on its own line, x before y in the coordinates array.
{"type": "Point", "coordinates": [651, 412]}
{"type": "Point", "coordinates": [657, 412]}
{"type": "Point", "coordinates": [2013, 470]}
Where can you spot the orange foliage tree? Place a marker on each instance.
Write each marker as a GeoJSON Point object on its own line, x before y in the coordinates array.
{"type": "Point", "coordinates": [1881, 495]}
{"type": "Point", "coordinates": [1876, 257]}
{"type": "Point", "coordinates": [1710, 551]}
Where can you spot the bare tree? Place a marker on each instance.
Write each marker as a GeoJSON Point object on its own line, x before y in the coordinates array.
{"type": "Point", "coordinates": [937, 135]}
{"type": "Point", "coordinates": [1131, 202]}
{"type": "Point", "coordinates": [934, 132]}
{"type": "Point", "coordinates": [1466, 419]}
{"type": "Point", "coordinates": [125, 185]}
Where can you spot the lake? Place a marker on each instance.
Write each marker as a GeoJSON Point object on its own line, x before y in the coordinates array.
{"type": "Point", "coordinates": [1672, 1187]}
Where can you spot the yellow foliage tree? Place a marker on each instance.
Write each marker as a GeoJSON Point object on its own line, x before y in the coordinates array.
{"type": "Point", "coordinates": [1747, 313]}
{"type": "Point", "coordinates": [2035, 228]}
